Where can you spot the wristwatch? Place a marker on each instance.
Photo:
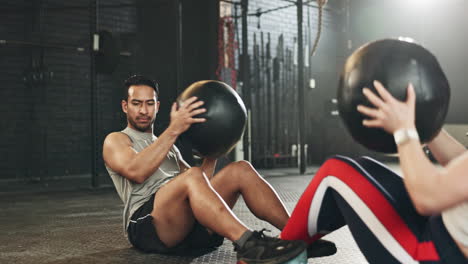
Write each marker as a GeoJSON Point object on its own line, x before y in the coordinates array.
{"type": "Point", "coordinates": [403, 135]}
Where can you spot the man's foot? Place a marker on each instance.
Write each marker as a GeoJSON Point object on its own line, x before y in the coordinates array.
{"type": "Point", "coordinates": [262, 249]}
{"type": "Point", "coordinates": [321, 248]}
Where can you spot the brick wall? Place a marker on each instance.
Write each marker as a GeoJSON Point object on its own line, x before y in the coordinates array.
{"type": "Point", "coordinates": [15, 101]}
{"type": "Point", "coordinates": [46, 129]}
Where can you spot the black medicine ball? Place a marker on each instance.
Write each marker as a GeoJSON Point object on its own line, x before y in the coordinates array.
{"type": "Point", "coordinates": [395, 63]}
{"type": "Point", "coordinates": [225, 115]}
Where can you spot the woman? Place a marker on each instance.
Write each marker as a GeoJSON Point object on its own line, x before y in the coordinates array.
{"type": "Point", "coordinates": [420, 218]}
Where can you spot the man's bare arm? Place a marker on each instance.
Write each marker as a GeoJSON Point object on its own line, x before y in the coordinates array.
{"type": "Point", "coordinates": [122, 158]}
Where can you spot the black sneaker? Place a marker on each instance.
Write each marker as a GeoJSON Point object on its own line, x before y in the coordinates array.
{"type": "Point", "coordinates": [262, 249]}
{"type": "Point", "coordinates": [321, 248]}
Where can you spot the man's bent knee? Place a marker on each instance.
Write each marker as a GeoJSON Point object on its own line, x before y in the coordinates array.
{"type": "Point", "coordinates": [244, 165]}
{"type": "Point", "coordinates": [194, 174]}
{"type": "Point", "coordinates": [194, 171]}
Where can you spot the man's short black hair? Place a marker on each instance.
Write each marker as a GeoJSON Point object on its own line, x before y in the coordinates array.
{"type": "Point", "coordinates": [139, 80]}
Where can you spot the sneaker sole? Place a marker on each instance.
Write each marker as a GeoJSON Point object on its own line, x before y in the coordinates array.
{"type": "Point", "coordinates": [278, 260]}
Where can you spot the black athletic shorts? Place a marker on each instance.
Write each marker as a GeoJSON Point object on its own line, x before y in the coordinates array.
{"type": "Point", "coordinates": [142, 235]}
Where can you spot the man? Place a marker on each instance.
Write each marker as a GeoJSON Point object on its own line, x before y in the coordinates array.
{"type": "Point", "coordinates": [170, 207]}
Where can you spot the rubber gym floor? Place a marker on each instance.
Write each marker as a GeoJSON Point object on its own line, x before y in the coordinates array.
{"type": "Point", "coordinates": [85, 226]}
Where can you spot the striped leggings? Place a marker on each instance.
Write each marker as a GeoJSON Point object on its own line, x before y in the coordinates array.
{"type": "Point", "coordinates": [373, 202]}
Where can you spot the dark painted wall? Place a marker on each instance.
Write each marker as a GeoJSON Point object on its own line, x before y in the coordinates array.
{"type": "Point", "coordinates": [46, 129]}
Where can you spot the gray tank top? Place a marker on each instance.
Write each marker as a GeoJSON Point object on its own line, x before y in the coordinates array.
{"type": "Point", "coordinates": [133, 194]}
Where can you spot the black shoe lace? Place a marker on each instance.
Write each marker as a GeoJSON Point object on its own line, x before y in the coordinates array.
{"type": "Point", "coordinates": [262, 232]}
{"type": "Point", "coordinates": [261, 235]}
